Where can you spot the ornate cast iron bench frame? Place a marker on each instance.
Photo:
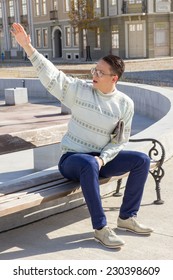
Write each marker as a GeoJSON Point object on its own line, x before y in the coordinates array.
{"type": "Point", "coordinates": [157, 156]}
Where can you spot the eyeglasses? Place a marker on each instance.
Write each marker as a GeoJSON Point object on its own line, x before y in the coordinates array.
{"type": "Point", "coordinates": [99, 73]}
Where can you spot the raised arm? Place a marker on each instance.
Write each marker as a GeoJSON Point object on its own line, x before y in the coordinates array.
{"type": "Point", "coordinates": [22, 38]}
{"type": "Point", "coordinates": [56, 82]}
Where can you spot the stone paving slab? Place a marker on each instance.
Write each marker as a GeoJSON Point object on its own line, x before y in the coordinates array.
{"type": "Point", "coordinates": [25, 126]}
{"type": "Point", "coordinates": [29, 116]}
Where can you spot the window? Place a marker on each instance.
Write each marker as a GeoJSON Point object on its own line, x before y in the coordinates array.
{"type": "Point", "coordinates": [55, 5]}
{"type": "Point", "coordinates": [161, 34]}
{"type": "Point", "coordinates": [0, 10]}
{"type": "Point", "coordinates": [45, 38]}
{"type": "Point", "coordinates": [67, 5]}
{"type": "Point", "coordinates": [84, 39]}
{"type": "Point", "coordinates": [115, 37]}
{"type": "Point", "coordinates": [139, 27]}
{"type": "Point", "coordinates": [11, 8]}
{"type": "Point", "coordinates": [163, 6]}
{"type": "Point", "coordinates": [76, 36]}
{"type": "Point", "coordinates": [1, 35]}
{"type": "Point", "coordinates": [135, 27]}
{"type": "Point", "coordinates": [24, 7]}
{"type": "Point", "coordinates": [98, 38]}
{"type": "Point", "coordinates": [13, 42]}
{"type": "Point", "coordinates": [2, 40]}
{"type": "Point", "coordinates": [67, 36]}
{"type": "Point", "coordinates": [44, 7]}
{"type": "Point", "coordinates": [76, 4]}
{"type": "Point", "coordinates": [113, 2]}
{"type": "Point", "coordinates": [37, 8]}
{"type": "Point", "coordinates": [132, 27]}
{"type": "Point", "coordinates": [135, 1]}
{"type": "Point", "coordinates": [38, 38]}
{"type": "Point", "coordinates": [98, 4]}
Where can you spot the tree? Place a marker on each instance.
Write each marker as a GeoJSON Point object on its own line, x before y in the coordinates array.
{"type": "Point", "coordinates": [83, 16]}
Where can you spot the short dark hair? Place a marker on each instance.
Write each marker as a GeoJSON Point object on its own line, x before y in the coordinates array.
{"type": "Point", "coordinates": [117, 64]}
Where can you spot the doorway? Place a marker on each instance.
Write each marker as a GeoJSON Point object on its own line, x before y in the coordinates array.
{"type": "Point", "coordinates": [136, 40]}
{"type": "Point", "coordinates": [57, 42]}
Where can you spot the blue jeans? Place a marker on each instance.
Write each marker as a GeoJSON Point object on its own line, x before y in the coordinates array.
{"type": "Point", "coordinates": [84, 168]}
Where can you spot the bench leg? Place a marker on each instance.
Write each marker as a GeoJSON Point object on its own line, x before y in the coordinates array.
{"type": "Point", "coordinates": [158, 175]}
{"type": "Point", "coordinates": [117, 192]}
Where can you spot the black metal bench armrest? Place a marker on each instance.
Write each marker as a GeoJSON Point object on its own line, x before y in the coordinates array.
{"type": "Point", "coordinates": [156, 152]}
{"type": "Point", "coordinates": [157, 155]}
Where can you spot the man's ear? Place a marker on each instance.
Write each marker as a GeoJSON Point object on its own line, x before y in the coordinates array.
{"type": "Point", "coordinates": [115, 79]}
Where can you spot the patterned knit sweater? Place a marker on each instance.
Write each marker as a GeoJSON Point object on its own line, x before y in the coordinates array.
{"type": "Point", "coordinates": [94, 114]}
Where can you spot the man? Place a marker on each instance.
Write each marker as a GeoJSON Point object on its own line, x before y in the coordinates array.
{"type": "Point", "coordinates": [97, 133]}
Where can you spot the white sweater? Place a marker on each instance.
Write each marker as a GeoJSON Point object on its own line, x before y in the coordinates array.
{"type": "Point", "coordinates": [94, 114]}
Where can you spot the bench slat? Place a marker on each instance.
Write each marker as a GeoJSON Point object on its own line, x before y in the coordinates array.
{"type": "Point", "coordinates": [19, 194]}
{"type": "Point", "coordinates": [34, 199]}
{"type": "Point", "coordinates": [19, 203]}
{"type": "Point", "coordinates": [40, 188]}
{"type": "Point", "coordinates": [29, 182]}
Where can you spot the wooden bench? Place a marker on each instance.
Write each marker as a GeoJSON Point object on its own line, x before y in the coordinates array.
{"type": "Point", "coordinates": [47, 192]}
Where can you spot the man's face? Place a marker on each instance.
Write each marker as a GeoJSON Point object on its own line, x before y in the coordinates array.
{"type": "Point", "coordinates": [103, 77]}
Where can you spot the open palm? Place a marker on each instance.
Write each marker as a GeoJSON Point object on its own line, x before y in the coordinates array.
{"type": "Point", "coordinates": [20, 35]}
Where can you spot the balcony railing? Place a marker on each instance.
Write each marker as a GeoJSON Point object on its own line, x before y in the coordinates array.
{"type": "Point", "coordinates": [54, 15]}
{"type": "Point", "coordinates": [135, 8]}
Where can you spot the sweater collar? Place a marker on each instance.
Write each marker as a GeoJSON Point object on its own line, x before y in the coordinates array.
{"type": "Point", "coordinates": [106, 95]}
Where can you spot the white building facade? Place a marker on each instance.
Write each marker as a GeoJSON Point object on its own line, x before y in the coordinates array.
{"type": "Point", "coordinates": [128, 28]}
